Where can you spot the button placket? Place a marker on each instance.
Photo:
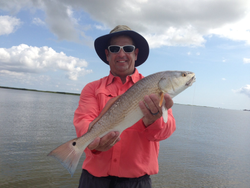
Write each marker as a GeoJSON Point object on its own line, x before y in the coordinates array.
{"type": "Point", "coordinates": [114, 169]}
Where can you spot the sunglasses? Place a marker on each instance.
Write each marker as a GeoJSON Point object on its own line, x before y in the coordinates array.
{"type": "Point", "coordinates": [116, 48]}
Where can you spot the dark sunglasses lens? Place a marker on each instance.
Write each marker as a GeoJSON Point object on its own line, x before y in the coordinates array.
{"type": "Point", "coordinates": [128, 48]}
{"type": "Point", "coordinates": [114, 49]}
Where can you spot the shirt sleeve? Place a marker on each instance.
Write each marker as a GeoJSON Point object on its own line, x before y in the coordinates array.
{"type": "Point", "coordinates": [160, 130]}
{"type": "Point", "coordinates": [87, 110]}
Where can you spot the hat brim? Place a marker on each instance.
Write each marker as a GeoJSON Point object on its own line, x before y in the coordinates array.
{"type": "Point", "coordinates": [102, 43]}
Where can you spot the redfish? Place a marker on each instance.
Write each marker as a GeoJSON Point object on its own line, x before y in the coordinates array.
{"type": "Point", "coordinates": [124, 112]}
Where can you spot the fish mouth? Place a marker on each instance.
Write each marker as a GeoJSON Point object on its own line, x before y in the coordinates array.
{"type": "Point", "coordinates": [191, 81]}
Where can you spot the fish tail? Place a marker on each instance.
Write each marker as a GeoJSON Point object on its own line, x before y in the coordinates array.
{"type": "Point", "coordinates": [68, 154]}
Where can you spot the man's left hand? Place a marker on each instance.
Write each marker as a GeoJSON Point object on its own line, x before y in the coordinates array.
{"type": "Point", "coordinates": [151, 109]}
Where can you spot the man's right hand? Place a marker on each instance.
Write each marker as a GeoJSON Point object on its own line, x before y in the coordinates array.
{"type": "Point", "coordinates": [106, 142]}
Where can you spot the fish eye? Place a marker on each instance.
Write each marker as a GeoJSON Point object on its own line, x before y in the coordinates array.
{"type": "Point", "coordinates": [183, 74]}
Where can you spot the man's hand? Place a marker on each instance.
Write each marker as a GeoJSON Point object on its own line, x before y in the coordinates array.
{"type": "Point", "coordinates": [151, 109]}
{"type": "Point", "coordinates": [106, 142]}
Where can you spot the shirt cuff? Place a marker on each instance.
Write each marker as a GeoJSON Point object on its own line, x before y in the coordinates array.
{"type": "Point", "coordinates": [95, 152]}
{"type": "Point", "coordinates": [156, 125]}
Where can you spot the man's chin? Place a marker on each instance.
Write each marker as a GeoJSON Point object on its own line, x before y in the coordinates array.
{"type": "Point", "coordinates": [122, 67]}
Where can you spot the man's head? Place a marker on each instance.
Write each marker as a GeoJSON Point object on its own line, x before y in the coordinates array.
{"type": "Point", "coordinates": [102, 43]}
{"type": "Point", "coordinates": [121, 55]}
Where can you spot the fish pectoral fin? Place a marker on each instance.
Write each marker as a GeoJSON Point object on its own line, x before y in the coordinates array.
{"type": "Point", "coordinates": [161, 99]}
{"type": "Point", "coordinates": [164, 113]}
{"type": "Point", "coordinates": [164, 109]}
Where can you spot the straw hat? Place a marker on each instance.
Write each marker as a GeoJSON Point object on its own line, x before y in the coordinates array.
{"type": "Point", "coordinates": [102, 43]}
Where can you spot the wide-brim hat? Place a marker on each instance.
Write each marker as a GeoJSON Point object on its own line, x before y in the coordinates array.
{"type": "Point", "coordinates": [102, 43]}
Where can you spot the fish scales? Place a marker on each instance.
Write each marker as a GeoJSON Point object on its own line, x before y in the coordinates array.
{"type": "Point", "coordinates": [125, 107]}
{"type": "Point", "coordinates": [129, 101]}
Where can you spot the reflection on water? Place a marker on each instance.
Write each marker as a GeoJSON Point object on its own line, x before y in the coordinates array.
{"type": "Point", "coordinates": [210, 148]}
{"type": "Point", "coordinates": [32, 124]}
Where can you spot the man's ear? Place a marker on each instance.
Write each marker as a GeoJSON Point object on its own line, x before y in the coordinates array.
{"type": "Point", "coordinates": [136, 53]}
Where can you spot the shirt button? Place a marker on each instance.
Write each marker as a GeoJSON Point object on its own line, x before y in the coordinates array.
{"type": "Point", "coordinates": [115, 160]}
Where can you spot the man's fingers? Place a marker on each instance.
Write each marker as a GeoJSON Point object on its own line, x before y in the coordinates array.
{"type": "Point", "coordinates": [168, 101]}
{"type": "Point", "coordinates": [144, 109]}
{"type": "Point", "coordinates": [106, 142]}
{"type": "Point", "coordinates": [152, 103]}
{"type": "Point", "coordinates": [151, 109]}
{"type": "Point", "coordinates": [109, 139]}
{"type": "Point", "coordinates": [94, 144]}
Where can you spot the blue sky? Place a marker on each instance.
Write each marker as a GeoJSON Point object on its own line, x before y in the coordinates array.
{"type": "Point", "coordinates": [48, 45]}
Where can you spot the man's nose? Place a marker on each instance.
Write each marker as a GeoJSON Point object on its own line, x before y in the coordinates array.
{"type": "Point", "coordinates": [121, 52]}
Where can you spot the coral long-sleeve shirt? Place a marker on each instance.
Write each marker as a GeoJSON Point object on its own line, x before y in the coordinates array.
{"type": "Point", "coordinates": [136, 154]}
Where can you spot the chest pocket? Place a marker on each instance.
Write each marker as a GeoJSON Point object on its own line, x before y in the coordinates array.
{"type": "Point", "coordinates": [103, 96]}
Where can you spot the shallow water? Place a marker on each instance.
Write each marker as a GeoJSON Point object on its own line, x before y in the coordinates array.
{"type": "Point", "coordinates": [210, 148]}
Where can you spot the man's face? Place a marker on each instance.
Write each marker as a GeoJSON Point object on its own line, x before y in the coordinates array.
{"type": "Point", "coordinates": [121, 63]}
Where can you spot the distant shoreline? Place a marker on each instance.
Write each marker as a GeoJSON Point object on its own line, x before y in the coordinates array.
{"type": "Point", "coordinates": [77, 94]}
{"type": "Point", "coordinates": [24, 89]}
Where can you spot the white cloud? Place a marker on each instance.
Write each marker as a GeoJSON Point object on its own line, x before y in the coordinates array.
{"type": "Point", "coordinates": [59, 17]}
{"type": "Point", "coordinates": [38, 21]}
{"type": "Point", "coordinates": [8, 24]}
{"type": "Point", "coordinates": [244, 90]}
{"type": "Point", "coordinates": [6, 72]}
{"type": "Point", "coordinates": [24, 58]}
{"type": "Point", "coordinates": [237, 30]}
{"type": "Point", "coordinates": [14, 6]}
{"type": "Point", "coordinates": [60, 20]}
{"type": "Point", "coordinates": [224, 79]}
{"type": "Point", "coordinates": [246, 60]}
{"type": "Point", "coordinates": [163, 23]}
{"type": "Point", "coordinates": [173, 23]}
{"type": "Point", "coordinates": [174, 36]}
{"type": "Point", "coordinates": [100, 27]}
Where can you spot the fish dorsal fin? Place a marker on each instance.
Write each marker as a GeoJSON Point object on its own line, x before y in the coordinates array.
{"type": "Point", "coordinates": [104, 110]}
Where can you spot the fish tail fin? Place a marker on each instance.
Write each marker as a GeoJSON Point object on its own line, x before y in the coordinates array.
{"type": "Point", "coordinates": [68, 154]}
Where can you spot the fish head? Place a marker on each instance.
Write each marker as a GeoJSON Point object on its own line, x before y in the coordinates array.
{"type": "Point", "coordinates": [174, 82]}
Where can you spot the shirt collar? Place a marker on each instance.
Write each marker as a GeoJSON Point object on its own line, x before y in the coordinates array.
{"type": "Point", "coordinates": [135, 77]}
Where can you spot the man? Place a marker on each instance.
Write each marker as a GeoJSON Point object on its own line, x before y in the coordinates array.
{"type": "Point", "coordinates": [128, 159]}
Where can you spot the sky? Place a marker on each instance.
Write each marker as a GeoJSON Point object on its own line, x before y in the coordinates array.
{"type": "Point", "coordinates": [49, 44]}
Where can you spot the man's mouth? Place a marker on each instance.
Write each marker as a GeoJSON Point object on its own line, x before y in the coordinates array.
{"type": "Point", "coordinates": [121, 62]}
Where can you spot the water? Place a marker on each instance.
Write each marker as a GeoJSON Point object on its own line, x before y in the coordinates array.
{"type": "Point", "coordinates": [210, 148]}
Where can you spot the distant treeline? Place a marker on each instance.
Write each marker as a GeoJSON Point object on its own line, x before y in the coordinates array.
{"type": "Point", "coordinates": [39, 90]}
